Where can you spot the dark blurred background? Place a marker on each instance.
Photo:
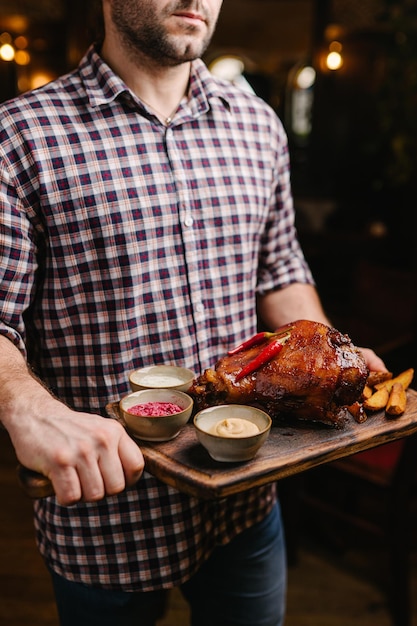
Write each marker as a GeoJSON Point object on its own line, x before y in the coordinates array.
{"type": "Point", "coordinates": [342, 75]}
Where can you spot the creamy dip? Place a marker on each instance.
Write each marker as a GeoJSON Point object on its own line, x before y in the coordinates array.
{"type": "Point", "coordinates": [234, 427]}
{"type": "Point", "coordinates": [159, 380]}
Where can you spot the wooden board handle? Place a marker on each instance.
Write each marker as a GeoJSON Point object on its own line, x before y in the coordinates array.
{"type": "Point", "coordinates": [35, 485]}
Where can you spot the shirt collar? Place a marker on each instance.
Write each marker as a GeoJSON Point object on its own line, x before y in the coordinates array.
{"type": "Point", "coordinates": [103, 86]}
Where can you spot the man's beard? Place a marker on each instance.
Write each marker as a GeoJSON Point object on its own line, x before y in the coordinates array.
{"type": "Point", "coordinates": [144, 35]}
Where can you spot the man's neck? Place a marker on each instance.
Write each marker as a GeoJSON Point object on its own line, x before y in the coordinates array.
{"type": "Point", "coordinates": [160, 87]}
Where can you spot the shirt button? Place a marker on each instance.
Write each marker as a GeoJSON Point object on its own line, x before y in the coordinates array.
{"type": "Point", "coordinates": [188, 221]}
{"type": "Point", "coordinates": [199, 307]}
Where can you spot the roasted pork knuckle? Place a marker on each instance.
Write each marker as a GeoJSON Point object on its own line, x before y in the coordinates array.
{"type": "Point", "coordinates": [313, 376]}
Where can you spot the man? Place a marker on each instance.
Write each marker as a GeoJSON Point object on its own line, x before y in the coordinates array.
{"type": "Point", "coordinates": [146, 218]}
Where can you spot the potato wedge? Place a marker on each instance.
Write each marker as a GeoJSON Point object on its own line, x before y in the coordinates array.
{"type": "Point", "coordinates": [367, 392]}
{"type": "Point", "coordinates": [377, 401]}
{"type": "Point", "coordinates": [405, 378]}
{"type": "Point", "coordinates": [397, 400]}
{"type": "Point", "coordinates": [375, 378]}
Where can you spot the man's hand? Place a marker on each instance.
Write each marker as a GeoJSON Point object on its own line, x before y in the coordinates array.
{"type": "Point", "coordinates": [86, 457]}
{"type": "Point", "coordinates": [373, 361]}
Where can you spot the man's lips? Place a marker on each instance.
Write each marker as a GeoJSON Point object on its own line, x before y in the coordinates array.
{"type": "Point", "coordinates": [195, 17]}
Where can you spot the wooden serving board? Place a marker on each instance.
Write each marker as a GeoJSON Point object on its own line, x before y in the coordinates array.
{"type": "Point", "coordinates": [183, 463]}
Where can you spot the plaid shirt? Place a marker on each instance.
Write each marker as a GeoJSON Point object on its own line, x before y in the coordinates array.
{"type": "Point", "coordinates": [125, 243]}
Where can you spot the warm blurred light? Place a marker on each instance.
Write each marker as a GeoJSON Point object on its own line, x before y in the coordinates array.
{"type": "Point", "coordinates": [40, 44]}
{"type": "Point", "coordinates": [21, 42]}
{"type": "Point", "coordinates": [15, 23]}
{"type": "Point", "coordinates": [5, 38]}
{"type": "Point", "coordinates": [306, 77]}
{"type": "Point", "coordinates": [40, 78]}
{"type": "Point", "coordinates": [378, 229]}
{"type": "Point", "coordinates": [22, 57]}
{"type": "Point", "coordinates": [7, 52]}
{"type": "Point", "coordinates": [335, 46]}
{"type": "Point", "coordinates": [23, 83]}
{"type": "Point", "coordinates": [334, 32]}
{"type": "Point", "coordinates": [334, 60]}
{"type": "Point", "coordinates": [231, 68]}
{"type": "Point", "coordinates": [227, 67]}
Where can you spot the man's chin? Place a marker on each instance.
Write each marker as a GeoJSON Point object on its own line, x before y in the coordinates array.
{"type": "Point", "coordinates": [188, 52]}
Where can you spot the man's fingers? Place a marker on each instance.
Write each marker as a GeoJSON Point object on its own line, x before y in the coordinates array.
{"type": "Point", "coordinates": [66, 484]}
{"type": "Point", "coordinates": [373, 361]}
{"type": "Point", "coordinates": [132, 459]}
{"type": "Point", "coordinates": [116, 464]}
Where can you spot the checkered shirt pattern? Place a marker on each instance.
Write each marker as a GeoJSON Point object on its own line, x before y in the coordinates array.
{"type": "Point", "coordinates": [126, 243]}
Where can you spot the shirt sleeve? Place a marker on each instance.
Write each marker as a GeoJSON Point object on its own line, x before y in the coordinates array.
{"type": "Point", "coordinates": [18, 264]}
{"type": "Point", "coordinates": [282, 260]}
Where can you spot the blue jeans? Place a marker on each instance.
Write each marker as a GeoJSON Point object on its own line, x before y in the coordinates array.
{"type": "Point", "coordinates": [241, 584]}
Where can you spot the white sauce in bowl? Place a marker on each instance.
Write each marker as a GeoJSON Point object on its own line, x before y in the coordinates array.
{"type": "Point", "coordinates": [159, 380]}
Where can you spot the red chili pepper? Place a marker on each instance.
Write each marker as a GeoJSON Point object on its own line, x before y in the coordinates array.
{"type": "Point", "coordinates": [265, 355]}
{"type": "Point", "coordinates": [253, 341]}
